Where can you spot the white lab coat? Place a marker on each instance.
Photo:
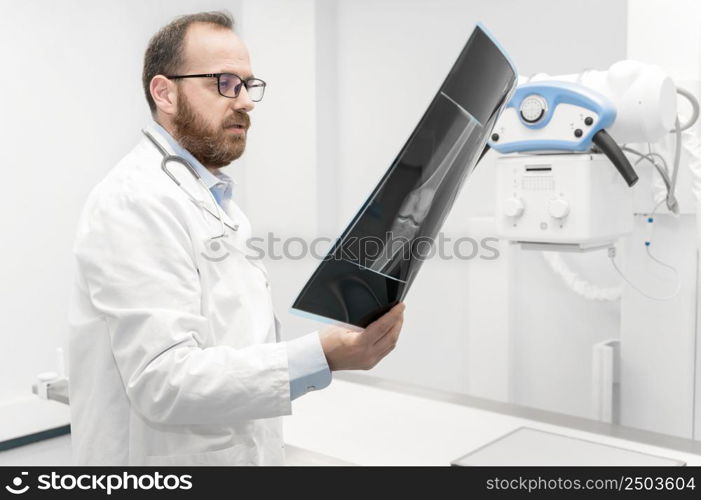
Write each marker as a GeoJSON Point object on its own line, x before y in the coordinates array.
{"type": "Point", "coordinates": [175, 352]}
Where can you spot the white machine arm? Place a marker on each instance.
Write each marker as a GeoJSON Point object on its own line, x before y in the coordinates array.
{"type": "Point", "coordinates": [643, 94]}
{"type": "Point", "coordinates": [554, 189]}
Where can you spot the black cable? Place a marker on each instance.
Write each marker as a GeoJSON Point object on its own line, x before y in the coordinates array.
{"type": "Point", "coordinates": [608, 146]}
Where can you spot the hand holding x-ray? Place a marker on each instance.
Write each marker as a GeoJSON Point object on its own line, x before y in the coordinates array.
{"type": "Point", "coordinates": [361, 350]}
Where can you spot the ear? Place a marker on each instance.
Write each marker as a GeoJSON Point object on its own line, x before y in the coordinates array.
{"type": "Point", "coordinates": [165, 94]}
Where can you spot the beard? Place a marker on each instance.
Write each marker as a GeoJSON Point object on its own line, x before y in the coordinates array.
{"type": "Point", "coordinates": [213, 147]}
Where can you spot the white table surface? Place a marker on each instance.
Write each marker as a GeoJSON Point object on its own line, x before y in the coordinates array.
{"type": "Point", "coordinates": [367, 425]}
{"type": "Point", "coordinates": [350, 423]}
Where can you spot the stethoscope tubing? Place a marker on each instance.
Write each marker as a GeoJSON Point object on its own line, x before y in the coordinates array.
{"type": "Point", "coordinates": [167, 157]}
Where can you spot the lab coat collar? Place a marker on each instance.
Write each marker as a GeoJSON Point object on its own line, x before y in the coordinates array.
{"type": "Point", "coordinates": [210, 180]}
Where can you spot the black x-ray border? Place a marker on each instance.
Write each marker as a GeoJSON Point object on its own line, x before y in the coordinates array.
{"type": "Point", "coordinates": [353, 285]}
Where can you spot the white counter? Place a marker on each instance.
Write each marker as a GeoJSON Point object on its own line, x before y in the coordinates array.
{"type": "Point", "coordinates": [367, 425]}
{"type": "Point", "coordinates": [357, 423]}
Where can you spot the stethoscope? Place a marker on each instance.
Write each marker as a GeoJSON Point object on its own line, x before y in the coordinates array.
{"type": "Point", "coordinates": [167, 157]}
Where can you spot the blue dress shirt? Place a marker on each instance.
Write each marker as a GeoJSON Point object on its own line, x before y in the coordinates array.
{"type": "Point", "coordinates": [306, 360]}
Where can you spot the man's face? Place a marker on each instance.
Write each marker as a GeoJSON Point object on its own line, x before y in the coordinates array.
{"type": "Point", "coordinates": [212, 127]}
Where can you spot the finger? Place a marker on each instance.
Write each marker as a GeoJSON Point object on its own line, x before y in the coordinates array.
{"type": "Point", "coordinates": [385, 322]}
{"type": "Point", "coordinates": [393, 330]}
{"type": "Point", "coordinates": [379, 356]}
{"type": "Point", "coordinates": [384, 353]}
{"type": "Point", "coordinates": [398, 321]}
{"type": "Point", "coordinates": [390, 337]}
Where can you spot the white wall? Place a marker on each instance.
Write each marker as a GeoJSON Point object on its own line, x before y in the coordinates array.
{"type": "Point", "coordinates": [660, 341]}
{"type": "Point", "coordinates": [72, 105]}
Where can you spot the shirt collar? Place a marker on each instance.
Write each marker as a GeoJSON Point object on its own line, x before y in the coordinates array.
{"type": "Point", "coordinates": [220, 182]}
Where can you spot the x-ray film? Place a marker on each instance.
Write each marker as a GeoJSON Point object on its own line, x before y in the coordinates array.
{"type": "Point", "coordinates": [372, 264]}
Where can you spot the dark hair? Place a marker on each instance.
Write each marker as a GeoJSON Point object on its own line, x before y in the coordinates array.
{"type": "Point", "coordinates": [164, 54]}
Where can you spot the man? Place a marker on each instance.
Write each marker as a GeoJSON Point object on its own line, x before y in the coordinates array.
{"type": "Point", "coordinates": [175, 352]}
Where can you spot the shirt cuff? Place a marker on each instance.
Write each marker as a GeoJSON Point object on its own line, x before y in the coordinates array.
{"type": "Point", "coordinates": [309, 370]}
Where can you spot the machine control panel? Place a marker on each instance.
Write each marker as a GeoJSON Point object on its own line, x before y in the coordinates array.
{"type": "Point", "coordinates": [571, 199]}
{"type": "Point", "coordinates": [533, 108]}
{"type": "Point", "coordinates": [551, 116]}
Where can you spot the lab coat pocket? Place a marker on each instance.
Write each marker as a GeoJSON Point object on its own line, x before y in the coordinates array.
{"type": "Point", "coordinates": [238, 454]}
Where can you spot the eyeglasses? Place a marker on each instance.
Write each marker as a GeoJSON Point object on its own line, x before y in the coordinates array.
{"type": "Point", "coordinates": [229, 84]}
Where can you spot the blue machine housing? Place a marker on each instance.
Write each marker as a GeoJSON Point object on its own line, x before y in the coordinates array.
{"type": "Point", "coordinates": [555, 93]}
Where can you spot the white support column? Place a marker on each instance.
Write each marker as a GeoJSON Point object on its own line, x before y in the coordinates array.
{"type": "Point", "coordinates": [280, 160]}
{"type": "Point", "coordinates": [284, 188]}
{"type": "Point", "coordinates": [659, 364]}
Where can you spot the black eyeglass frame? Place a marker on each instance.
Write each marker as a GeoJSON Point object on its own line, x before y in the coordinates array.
{"type": "Point", "coordinates": [244, 83]}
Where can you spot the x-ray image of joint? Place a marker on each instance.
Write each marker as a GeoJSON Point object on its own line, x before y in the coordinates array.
{"type": "Point", "coordinates": [377, 257]}
{"type": "Point", "coordinates": [418, 202]}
